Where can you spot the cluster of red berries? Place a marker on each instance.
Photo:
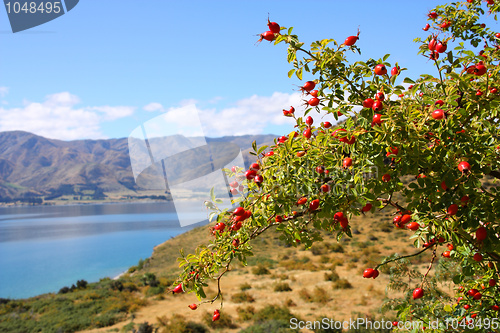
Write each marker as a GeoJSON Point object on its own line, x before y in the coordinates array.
{"type": "Point", "coordinates": [308, 131]}
{"type": "Point", "coordinates": [289, 112]}
{"type": "Point", "coordinates": [216, 315]}
{"type": "Point", "coordinates": [252, 173]}
{"type": "Point", "coordinates": [402, 221]}
{"type": "Point", "coordinates": [433, 241]}
{"type": "Point", "coordinates": [308, 89]}
{"type": "Point", "coordinates": [270, 35]}
{"type": "Point", "coordinates": [477, 69]}
{"type": "Point", "coordinates": [237, 217]}
{"type": "Point", "coordinates": [476, 295]}
{"type": "Point", "coordinates": [313, 205]}
{"type": "Point", "coordinates": [344, 139]}
{"type": "Point", "coordinates": [436, 47]}
{"type": "Point", "coordinates": [377, 105]}
{"type": "Point", "coordinates": [342, 219]}
{"type": "Point", "coordinates": [234, 185]}
{"type": "Point", "coordinates": [447, 253]}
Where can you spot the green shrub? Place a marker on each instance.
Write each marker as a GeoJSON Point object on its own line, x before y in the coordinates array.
{"type": "Point", "coordinates": [242, 297]}
{"type": "Point", "coordinates": [305, 295]}
{"type": "Point", "coordinates": [178, 324]}
{"type": "Point", "coordinates": [245, 286]}
{"type": "Point", "coordinates": [64, 290]}
{"type": "Point", "coordinates": [245, 314]}
{"type": "Point", "coordinates": [273, 312]}
{"type": "Point", "coordinates": [319, 249]}
{"type": "Point", "coordinates": [140, 264]}
{"type": "Point", "coordinates": [116, 285]}
{"type": "Point", "coordinates": [146, 328]}
{"type": "Point", "coordinates": [335, 247]}
{"type": "Point", "coordinates": [270, 326]}
{"type": "Point", "coordinates": [149, 279]}
{"type": "Point", "coordinates": [332, 276]}
{"type": "Point", "coordinates": [260, 270]}
{"type": "Point", "coordinates": [130, 286]}
{"type": "Point", "coordinates": [225, 321]}
{"type": "Point", "coordinates": [153, 291]}
{"type": "Point", "coordinates": [282, 286]}
{"type": "Point", "coordinates": [81, 284]}
{"type": "Point", "coordinates": [386, 229]}
{"type": "Point", "coordinates": [342, 284]}
{"type": "Point", "coordinates": [320, 295]}
{"type": "Point", "coordinates": [324, 259]}
{"type": "Point", "coordinates": [261, 261]}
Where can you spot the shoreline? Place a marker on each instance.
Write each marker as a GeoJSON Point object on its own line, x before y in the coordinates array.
{"type": "Point", "coordinates": [119, 275]}
{"type": "Point", "coordinates": [98, 202]}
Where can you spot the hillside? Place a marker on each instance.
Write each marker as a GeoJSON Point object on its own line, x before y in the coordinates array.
{"type": "Point", "coordinates": [324, 281]}
{"type": "Point", "coordinates": [32, 166]}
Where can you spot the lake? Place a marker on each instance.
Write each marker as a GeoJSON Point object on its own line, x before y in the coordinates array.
{"type": "Point", "coordinates": [44, 248]}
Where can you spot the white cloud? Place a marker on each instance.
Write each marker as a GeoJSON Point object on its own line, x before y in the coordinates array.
{"type": "Point", "coordinates": [114, 112]}
{"type": "Point", "coordinates": [187, 102]}
{"type": "Point", "coordinates": [215, 100]}
{"type": "Point", "coordinates": [250, 115]}
{"type": "Point", "coordinates": [4, 91]}
{"type": "Point", "coordinates": [184, 120]}
{"type": "Point", "coordinates": [64, 99]}
{"type": "Point", "coordinates": [58, 118]}
{"type": "Point", "coordinates": [151, 107]}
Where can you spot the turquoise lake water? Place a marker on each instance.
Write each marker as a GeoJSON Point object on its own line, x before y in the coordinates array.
{"type": "Point", "coordinates": [44, 248]}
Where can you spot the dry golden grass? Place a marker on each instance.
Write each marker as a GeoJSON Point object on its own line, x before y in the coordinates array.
{"type": "Point", "coordinates": [304, 271]}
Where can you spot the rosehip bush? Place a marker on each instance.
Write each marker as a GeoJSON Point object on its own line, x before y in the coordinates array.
{"type": "Point", "coordinates": [435, 131]}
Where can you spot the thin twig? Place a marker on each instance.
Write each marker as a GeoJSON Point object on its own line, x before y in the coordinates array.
{"type": "Point", "coordinates": [407, 256]}
{"type": "Point", "coordinates": [430, 266]}
{"type": "Point", "coordinates": [440, 76]}
{"type": "Point", "coordinates": [394, 204]}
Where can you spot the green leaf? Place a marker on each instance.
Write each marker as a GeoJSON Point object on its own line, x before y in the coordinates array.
{"type": "Point", "coordinates": [201, 294]}
{"type": "Point", "coordinates": [369, 196]}
{"type": "Point", "coordinates": [468, 271]}
{"type": "Point", "coordinates": [254, 145]}
{"type": "Point", "coordinates": [211, 216]}
{"type": "Point", "coordinates": [261, 149]}
{"type": "Point", "coordinates": [299, 73]}
{"type": "Point", "coordinates": [290, 73]}
{"type": "Point", "coordinates": [450, 57]}
{"type": "Point", "coordinates": [457, 279]}
{"type": "Point", "coordinates": [408, 80]}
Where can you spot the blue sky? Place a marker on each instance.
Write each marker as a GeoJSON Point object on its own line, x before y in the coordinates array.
{"type": "Point", "coordinates": [106, 67]}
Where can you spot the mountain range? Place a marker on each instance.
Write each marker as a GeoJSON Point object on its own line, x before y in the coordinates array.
{"type": "Point", "coordinates": [32, 166]}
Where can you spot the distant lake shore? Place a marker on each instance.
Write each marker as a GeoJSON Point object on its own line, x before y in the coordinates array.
{"type": "Point", "coordinates": [44, 248]}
